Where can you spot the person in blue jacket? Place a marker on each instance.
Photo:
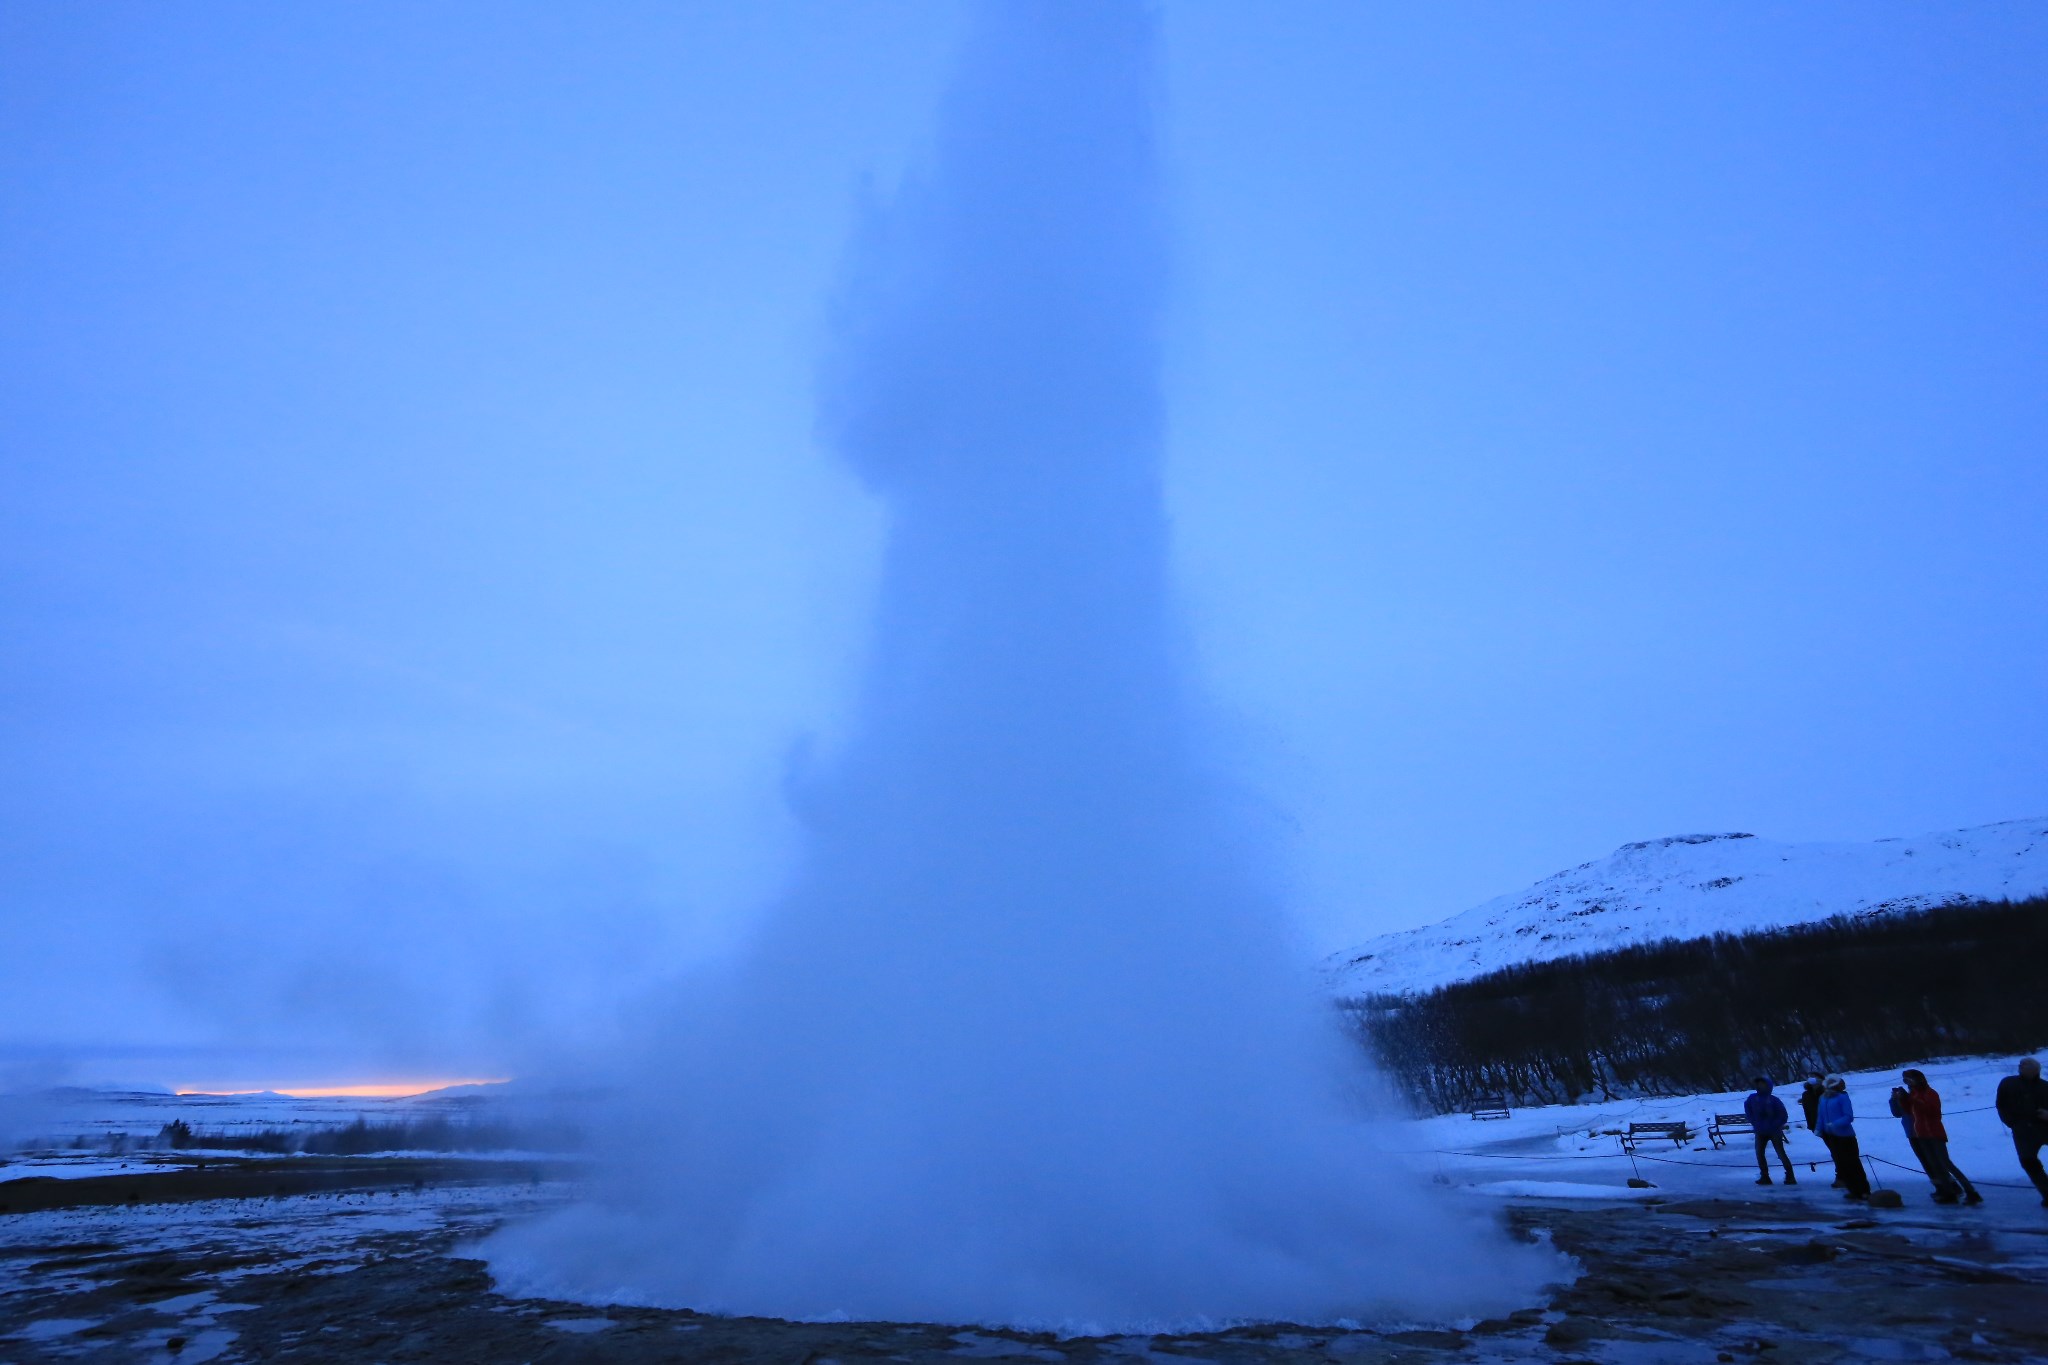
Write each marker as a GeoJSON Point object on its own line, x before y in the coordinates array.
{"type": "Point", "coordinates": [1838, 1131]}
{"type": "Point", "coordinates": [1767, 1117]}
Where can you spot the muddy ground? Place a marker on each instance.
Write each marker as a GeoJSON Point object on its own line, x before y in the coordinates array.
{"type": "Point", "coordinates": [364, 1265]}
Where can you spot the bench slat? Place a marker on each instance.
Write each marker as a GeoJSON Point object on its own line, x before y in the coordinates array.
{"type": "Point", "coordinates": [1679, 1132]}
{"type": "Point", "coordinates": [1727, 1123]}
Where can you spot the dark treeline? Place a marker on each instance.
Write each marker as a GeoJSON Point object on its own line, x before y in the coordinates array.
{"type": "Point", "coordinates": [362, 1137]}
{"type": "Point", "coordinates": [1678, 1017]}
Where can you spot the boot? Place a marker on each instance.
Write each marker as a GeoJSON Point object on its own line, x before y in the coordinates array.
{"type": "Point", "coordinates": [1764, 1179]}
{"type": "Point", "coordinates": [1791, 1179]}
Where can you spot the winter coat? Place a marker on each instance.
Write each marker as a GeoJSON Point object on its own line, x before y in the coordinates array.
{"type": "Point", "coordinates": [1766, 1114]}
{"type": "Point", "coordinates": [1809, 1104]}
{"type": "Point", "coordinates": [2020, 1102]}
{"type": "Point", "coordinates": [1837, 1115]}
{"type": "Point", "coordinates": [1901, 1112]}
{"type": "Point", "coordinates": [1924, 1105]}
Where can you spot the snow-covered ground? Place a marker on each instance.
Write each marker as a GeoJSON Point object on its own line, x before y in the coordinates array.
{"type": "Point", "coordinates": [1693, 886]}
{"type": "Point", "coordinates": [63, 1164]}
{"type": "Point", "coordinates": [328, 1232]}
{"type": "Point", "coordinates": [1571, 1151]}
{"type": "Point", "coordinates": [216, 1276]}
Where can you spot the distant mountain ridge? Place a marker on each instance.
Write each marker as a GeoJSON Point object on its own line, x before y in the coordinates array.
{"type": "Point", "coordinates": [1696, 885]}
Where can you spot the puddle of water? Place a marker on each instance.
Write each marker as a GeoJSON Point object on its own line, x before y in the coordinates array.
{"type": "Point", "coordinates": [579, 1325]}
{"type": "Point", "coordinates": [1141, 1349]}
{"type": "Point", "coordinates": [1892, 1348]}
{"type": "Point", "coordinates": [976, 1345]}
{"type": "Point", "coordinates": [47, 1329]}
{"type": "Point", "coordinates": [194, 1348]}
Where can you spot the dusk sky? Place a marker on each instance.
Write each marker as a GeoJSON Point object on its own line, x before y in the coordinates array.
{"type": "Point", "coordinates": [419, 565]}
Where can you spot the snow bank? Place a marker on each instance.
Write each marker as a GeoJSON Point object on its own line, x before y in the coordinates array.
{"type": "Point", "coordinates": [1697, 885]}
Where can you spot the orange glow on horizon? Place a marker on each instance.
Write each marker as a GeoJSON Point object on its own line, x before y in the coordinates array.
{"type": "Point", "coordinates": [370, 1090]}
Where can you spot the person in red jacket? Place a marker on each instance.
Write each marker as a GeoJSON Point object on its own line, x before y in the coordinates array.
{"type": "Point", "coordinates": [1930, 1142]}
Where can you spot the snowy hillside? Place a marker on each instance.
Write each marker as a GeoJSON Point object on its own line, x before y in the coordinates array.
{"type": "Point", "coordinates": [1694, 885]}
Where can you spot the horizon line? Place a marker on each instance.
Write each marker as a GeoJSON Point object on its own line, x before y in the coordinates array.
{"type": "Point", "coordinates": [372, 1090]}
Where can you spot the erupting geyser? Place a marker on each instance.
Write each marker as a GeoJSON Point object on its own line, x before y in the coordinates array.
{"type": "Point", "coordinates": [1022, 1044]}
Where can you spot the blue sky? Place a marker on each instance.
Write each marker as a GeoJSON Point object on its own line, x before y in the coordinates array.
{"type": "Point", "coordinates": [417, 560]}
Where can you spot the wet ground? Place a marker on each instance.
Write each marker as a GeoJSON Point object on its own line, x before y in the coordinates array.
{"type": "Point", "coordinates": [364, 1264]}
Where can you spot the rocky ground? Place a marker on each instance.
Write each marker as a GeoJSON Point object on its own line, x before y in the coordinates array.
{"type": "Point", "coordinates": [364, 1263]}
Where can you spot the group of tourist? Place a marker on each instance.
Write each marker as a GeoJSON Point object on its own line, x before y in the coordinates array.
{"type": "Point", "coordinates": [2022, 1106]}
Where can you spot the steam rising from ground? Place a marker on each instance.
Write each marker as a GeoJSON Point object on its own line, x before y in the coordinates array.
{"type": "Point", "coordinates": [1022, 1045]}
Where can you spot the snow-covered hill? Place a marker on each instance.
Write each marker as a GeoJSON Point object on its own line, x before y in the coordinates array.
{"type": "Point", "coordinates": [1695, 885]}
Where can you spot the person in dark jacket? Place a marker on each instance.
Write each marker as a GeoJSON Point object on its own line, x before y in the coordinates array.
{"type": "Point", "coordinates": [1809, 1103]}
{"type": "Point", "coordinates": [1768, 1119]}
{"type": "Point", "coordinates": [1838, 1131]}
{"type": "Point", "coordinates": [2023, 1107]}
{"type": "Point", "coordinates": [1930, 1142]}
{"type": "Point", "coordinates": [1902, 1110]}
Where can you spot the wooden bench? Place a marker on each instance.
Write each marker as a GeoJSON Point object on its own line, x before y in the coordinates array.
{"type": "Point", "coordinates": [1643, 1132]}
{"type": "Point", "coordinates": [1724, 1124]}
{"type": "Point", "coordinates": [1489, 1107]}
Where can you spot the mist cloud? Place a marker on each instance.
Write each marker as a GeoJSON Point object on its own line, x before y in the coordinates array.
{"type": "Point", "coordinates": [1022, 1044]}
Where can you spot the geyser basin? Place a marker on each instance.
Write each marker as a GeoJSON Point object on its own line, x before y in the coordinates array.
{"type": "Point", "coordinates": [1021, 1045]}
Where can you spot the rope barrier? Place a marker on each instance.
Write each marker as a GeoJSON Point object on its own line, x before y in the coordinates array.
{"type": "Point", "coordinates": [1513, 1156]}
{"type": "Point", "coordinates": [1994, 1184]}
{"type": "Point", "coordinates": [1589, 1156]}
{"type": "Point", "coordinates": [1811, 1166]}
{"type": "Point", "coordinates": [1676, 1161]}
